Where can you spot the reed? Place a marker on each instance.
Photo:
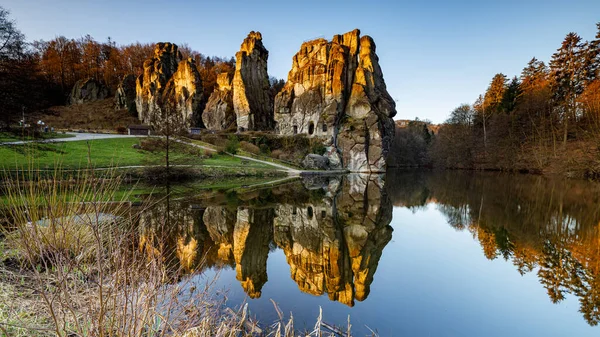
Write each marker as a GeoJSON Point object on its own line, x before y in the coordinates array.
{"type": "Point", "coordinates": [81, 268]}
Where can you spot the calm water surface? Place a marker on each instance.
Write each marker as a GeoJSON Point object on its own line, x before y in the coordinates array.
{"type": "Point", "coordinates": [406, 254]}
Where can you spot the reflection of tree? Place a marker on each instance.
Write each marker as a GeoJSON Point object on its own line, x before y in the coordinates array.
{"type": "Point", "coordinates": [540, 224]}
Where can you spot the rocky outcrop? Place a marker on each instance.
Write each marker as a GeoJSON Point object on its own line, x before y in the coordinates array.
{"type": "Point", "coordinates": [251, 96]}
{"type": "Point", "coordinates": [219, 114]}
{"type": "Point", "coordinates": [335, 91]}
{"type": "Point", "coordinates": [169, 88]}
{"type": "Point", "coordinates": [88, 90]}
{"type": "Point", "coordinates": [315, 162]}
{"type": "Point", "coordinates": [125, 95]}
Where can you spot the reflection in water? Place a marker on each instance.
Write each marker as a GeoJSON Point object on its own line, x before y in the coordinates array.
{"type": "Point", "coordinates": [541, 225]}
{"type": "Point", "coordinates": [333, 230]}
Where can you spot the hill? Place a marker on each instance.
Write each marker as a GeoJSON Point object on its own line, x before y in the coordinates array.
{"type": "Point", "coordinates": [91, 116]}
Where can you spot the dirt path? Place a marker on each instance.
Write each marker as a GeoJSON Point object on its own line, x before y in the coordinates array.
{"type": "Point", "coordinates": [289, 170]}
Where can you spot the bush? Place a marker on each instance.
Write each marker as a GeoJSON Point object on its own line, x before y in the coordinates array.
{"type": "Point", "coordinates": [249, 147]}
{"type": "Point", "coordinates": [318, 148]}
{"type": "Point", "coordinates": [264, 149]}
{"type": "Point", "coordinates": [121, 130]}
{"type": "Point", "coordinates": [232, 145]}
{"type": "Point", "coordinates": [152, 144]}
{"type": "Point", "coordinates": [276, 154]}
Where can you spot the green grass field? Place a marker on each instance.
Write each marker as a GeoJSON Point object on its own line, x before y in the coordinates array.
{"type": "Point", "coordinates": [116, 152]}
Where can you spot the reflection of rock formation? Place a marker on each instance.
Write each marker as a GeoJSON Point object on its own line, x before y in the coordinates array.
{"type": "Point", "coordinates": [334, 246]}
{"type": "Point", "coordinates": [332, 232]}
{"type": "Point", "coordinates": [251, 237]}
{"type": "Point", "coordinates": [175, 232]}
{"type": "Point", "coordinates": [220, 222]}
{"type": "Point", "coordinates": [315, 250]}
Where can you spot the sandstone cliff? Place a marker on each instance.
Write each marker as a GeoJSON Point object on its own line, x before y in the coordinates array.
{"type": "Point", "coordinates": [88, 90]}
{"type": "Point", "coordinates": [169, 88]}
{"type": "Point", "coordinates": [335, 90]}
{"type": "Point", "coordinates": [125, 95]}
{"type": "Point", "coordinates": [219, 114]}
{"type": "Point", "coordinates": [251, 96]}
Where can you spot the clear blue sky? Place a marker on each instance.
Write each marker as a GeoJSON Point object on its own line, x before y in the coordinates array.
{"type": "Point", "coordinates": [435, 55]}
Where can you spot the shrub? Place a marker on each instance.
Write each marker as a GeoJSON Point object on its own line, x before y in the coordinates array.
{"type": "Point", "coordinates": [276, 154]}
{"type": "Point", "coordinates": [152, 144]}
{"type": "Point", "coordinates": [249, 147]}
{"type": "Point", "coordinates": [318, 147]}
{"type": "Point", "coordinates": [121, 130]}
{"type": "Point", "coordinates": [264, 149]}
{"type": "Point", "coordinates": [232, 145]}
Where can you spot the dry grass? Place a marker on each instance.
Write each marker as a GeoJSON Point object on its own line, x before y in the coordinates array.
{"type": "Point", "coordinates": [78, 267]}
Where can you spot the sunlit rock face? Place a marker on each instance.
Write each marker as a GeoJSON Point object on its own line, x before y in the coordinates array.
{"type": "Point", "coordinates": [335, 90]}
{"type": "Point", "coordinates": [88, 90]}
{"type": "Point", "coordinates": [251, 96]}
{"type": "Point", "coordinates": [219, 114]}
{"type": "Point", "coordinates": [169, 88]}
{"type": "Point", "coordinates": [125, 94]}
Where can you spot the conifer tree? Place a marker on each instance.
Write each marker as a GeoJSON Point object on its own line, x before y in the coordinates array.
{"type": "Point", "coordinates": [567, 79]}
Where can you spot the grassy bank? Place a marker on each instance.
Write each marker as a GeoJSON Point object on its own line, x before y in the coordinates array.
{"type": "Point", "coordinates": [116, 152]}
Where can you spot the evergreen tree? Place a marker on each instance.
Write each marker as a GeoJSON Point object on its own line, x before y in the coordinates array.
{"type": "Point", "coordinates": [567, 69]}
{"type": "Point", "coordinates": [512, 92]}
{"type": "Point", "coordinates": [567, 79]}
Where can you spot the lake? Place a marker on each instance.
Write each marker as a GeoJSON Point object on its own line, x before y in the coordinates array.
{"type": "Point", "coordinates": [451, 253]}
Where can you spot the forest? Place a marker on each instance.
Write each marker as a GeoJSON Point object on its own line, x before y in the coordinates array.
{"type": "Point", "coordinates": [546, 120]}
{"type": "Point", "coordinates": [39, 74]}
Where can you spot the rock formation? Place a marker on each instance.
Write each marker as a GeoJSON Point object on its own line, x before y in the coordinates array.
{"type": "Point", "coordinates": [251, 96]}
{"type": "Point", "coordinates": [315, 162]}
{"type": "Point", "coordinates": [169, 88]}
{"type": "Point", "coordinates": [88, 90]}
{"type": "Point", "coordinates": [125, 95]}
{"type": "Point", "coordinates": [335, 90]}
{"type": "Point", "coordinates": [219, 114]}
